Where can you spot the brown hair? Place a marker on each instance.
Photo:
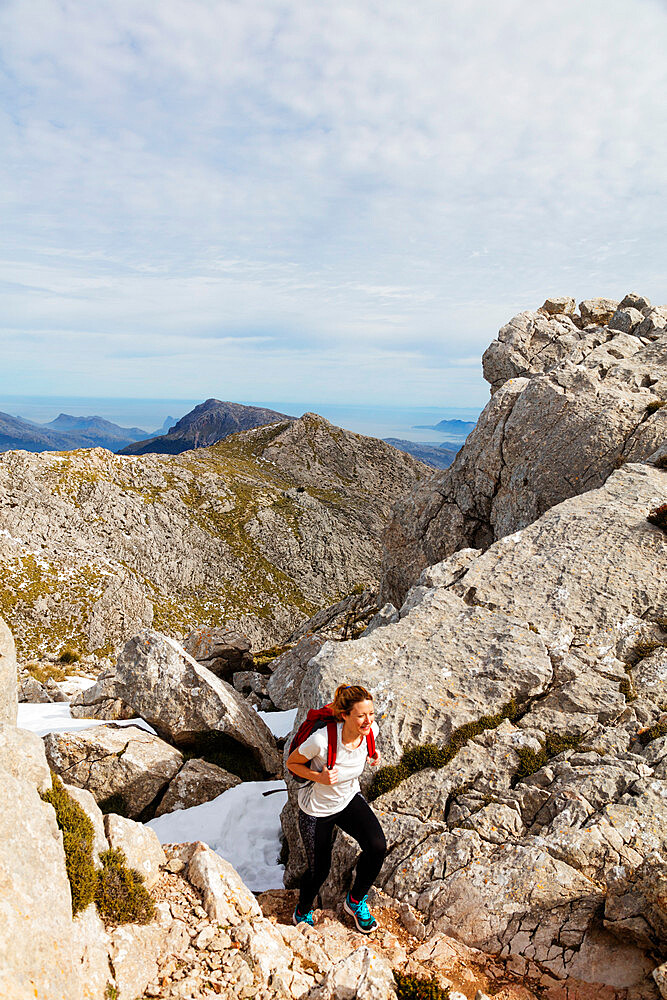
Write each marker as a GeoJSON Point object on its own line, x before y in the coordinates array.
{"type": "Point", "coordinates": [348, 695]}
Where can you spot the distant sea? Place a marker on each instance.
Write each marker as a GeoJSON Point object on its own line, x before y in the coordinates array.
{"type": "Point", "coordinates": [149, 414]}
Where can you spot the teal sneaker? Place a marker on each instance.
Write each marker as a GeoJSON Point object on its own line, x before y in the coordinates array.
{"type": "Point", "coordinates": [303, 918]}
{"type": "Point", "coordinates": [360, 913]}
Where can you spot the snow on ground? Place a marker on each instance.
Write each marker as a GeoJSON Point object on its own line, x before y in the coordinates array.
{"type": "Point", "coordinates": [242, 825]}
{"type": "Point", "coordinates": [55, 717]}
{"type": "Point", "coordinates": [74, 684]}
{"type": "Point", "coordinates": [280, 723]}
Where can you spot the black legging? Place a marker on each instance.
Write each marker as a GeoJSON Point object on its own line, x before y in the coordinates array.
{"type": "Point", "coordinates": [359, 821]}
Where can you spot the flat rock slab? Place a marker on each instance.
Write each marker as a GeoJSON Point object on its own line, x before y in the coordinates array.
{"type": "Point", "coordinates": [114, 760]}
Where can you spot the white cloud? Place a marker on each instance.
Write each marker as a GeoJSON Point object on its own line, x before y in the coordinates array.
{"type": "Point", "coordinates": [357, 176]}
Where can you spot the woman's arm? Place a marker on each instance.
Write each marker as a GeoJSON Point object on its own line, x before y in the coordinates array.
{"type": "Point", "coordinates": [298, 764]}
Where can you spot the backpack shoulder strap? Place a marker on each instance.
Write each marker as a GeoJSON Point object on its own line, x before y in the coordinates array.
{"type": "Point", "coordinates": [370, 743]}
{"type": "Point", "coordinates": [332, 742]}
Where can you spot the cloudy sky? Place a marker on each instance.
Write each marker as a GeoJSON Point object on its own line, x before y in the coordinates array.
{"type": "Point", "coordinates": [310, 200]}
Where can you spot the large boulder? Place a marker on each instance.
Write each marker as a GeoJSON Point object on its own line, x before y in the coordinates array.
{"type": "Point", "coordinates": [517, 841]}
{"type": "Point", "coordinates": [179, 697]}
{"type": "Point", "coordinates": [568, 407]}
{"type": "Point", "coordinates": [288, 671]}
{"type": "Point", "coordinates": [8, 683]}
{"type": "Point", "coordinates": [139, 844]}
{"type": "Point", "coordinates": [198, 781]}
{"type": "Point", "coordinates": [124, 767]}
{"type": "Point", "coordinates": [36, 931]}
{"type": "Point", "coordinates": [222, 650]}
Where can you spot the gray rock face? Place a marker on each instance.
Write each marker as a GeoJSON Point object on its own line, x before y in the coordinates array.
{"type": "Point", "coordinates": [224, 652]}
{"type": "Point", "coordinates": [252, 534]}
{"type": "Point", "coordinates": [196, 782]}
{"type": "Point", "coordinates": [284, 683]}
{"type": "Point", "coordinates": [178, 697]}
{"type": "Point", "coordinates": [568, 407]}
{"type": "Point", "coordinates": [22, 755]}
{"type": "Point", "coordinates": [363, 975]}
{"type": "Point", "coordinates": [8, 686]}
{"type": "Point", "coordinates": [535, 826]}
{"type": "Point", "coordinates": [139, 844]}
{"type": "Point", "coordinates": [113, 760]}
{"type": "Point", "coordinates": [36, 936]}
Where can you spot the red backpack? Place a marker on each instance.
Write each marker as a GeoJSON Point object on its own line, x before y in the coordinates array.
{"type": "Point", "coordinates": [318, 718]}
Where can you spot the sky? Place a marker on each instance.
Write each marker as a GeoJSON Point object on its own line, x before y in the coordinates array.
{"type": "Point", "coordinates": [335, 202]}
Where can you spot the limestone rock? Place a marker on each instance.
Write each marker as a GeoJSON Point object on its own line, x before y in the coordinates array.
{"type": "Point", "coordinates": [119, 761]}
{"type": "Point", "coordinates": [90, 946]}
{"type": "Point", "coordinates": [196, 782]}
{"type": "Point", "coordinates": [36, 936]}
{"type": "Point", "coordinates": [387, 615]}
{"type": "Point", "coordinates": [8, 686]}
{"type": "Point", "coordinates": [569, 406]}
{"type": "Point", "coordinates": [179, 697]}
{"type": "Point", "coordinates": [559, 305]}
{"type": "Point", "coordinates": [133, 953]}
{"type": "Point", "coordinates": [22, 755]}
{"type": "Point", "coordinates": [139, 844]}
{"type": "Point", "coordinates": [247, 681]}
{"type": "Point", "coordinates": [284, 683]}
{"type": "Point", "coordinates": [636, 904]}
{"type": "Point", "coordinates": [597, 311]}
{"type": "Point", "coordinates": [363, 975]}
{"type": "Point", "coordinates": [660, 977]}
{"type": "Point", "coordinates": [221, 650]}
{"type": "Point", "coordinates": [113, 544]}
{"type": "Point", "coordinates": [225, 898]}
{"type": "Point", "coordinates": [32, 692]}
{"type": "Point", "coordinates": [343, 620]}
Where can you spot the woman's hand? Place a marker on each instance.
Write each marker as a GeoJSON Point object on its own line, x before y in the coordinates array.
{"type": "Point", "coordinates": [375, 760]}
{"type": "Point", "coordinates": [329, 776]}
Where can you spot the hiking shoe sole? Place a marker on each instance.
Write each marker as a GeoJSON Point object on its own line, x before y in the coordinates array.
{"type": "Point", "coordinates": [360, 927]}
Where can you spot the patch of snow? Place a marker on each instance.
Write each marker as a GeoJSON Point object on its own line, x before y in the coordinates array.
{"type": "Point", "coordinates": [242, 825]}
{"type": "Point", "coordinates": [75, 684]}
{"type": "Point", "coordinates": [280, 723]}
{"type": "Point", "coordinates": [55, 717]}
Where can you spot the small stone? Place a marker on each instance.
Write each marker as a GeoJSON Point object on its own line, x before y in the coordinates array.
{"type": "Point", "coordinates": [175, 865]}
{"type": "Point", "coordinates": [204, 937]}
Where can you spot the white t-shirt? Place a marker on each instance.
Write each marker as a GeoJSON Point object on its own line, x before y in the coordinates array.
{"type": "Point", "coordinates": [324, 800]}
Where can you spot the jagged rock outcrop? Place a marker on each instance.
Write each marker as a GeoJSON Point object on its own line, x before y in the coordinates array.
{"type": "Point", "coordinates": [157, 680]}
{"type": "Point", "coordinates": [516, 843]}
{"type": "Point", "coordinates": [8, 685]}
{"type": "Point", "coordinates": [253, 534]}
{"type": "Point", "coordinates": [122, 765]}
{"type": "Point", "coordinates": [572, 400]}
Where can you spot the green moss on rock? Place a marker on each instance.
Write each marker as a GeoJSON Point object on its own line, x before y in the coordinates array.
{"type": "Point", "coordinates": [409, 987]}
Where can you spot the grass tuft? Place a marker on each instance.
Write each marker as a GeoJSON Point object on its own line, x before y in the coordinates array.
{"type": "Point", "coordinates": [418, 988]}
{"type": "Point", "coordinates": [121, 895]}
{"type": "Point", "coordinates": [78, 833]}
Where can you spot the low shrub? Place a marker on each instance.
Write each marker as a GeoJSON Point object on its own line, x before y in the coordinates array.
{"type": "Point", "coordinates": [121, 895]}
{"type": "Point", "coordinates": [532, 760]}
{"type": "Point", "coordinates": [418, 988]}
{"type": "Point", "coordinates": [114, 803]}
{"type": "Point", "coordinates": [78, 835]}
{"type": "Point", "coordinates": [417, 758]}
{"type": "Point", "coordinates": [68, 655]}
{"type": "Point", "coordinates": [656, 405]}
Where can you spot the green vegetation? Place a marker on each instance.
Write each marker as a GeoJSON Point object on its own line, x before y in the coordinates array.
{"type": "Point", "coordinates": [118, 891]}
{"type": "Point", "coordinates": [656, 405]}
{"type": "Point", "coordinates": [532, 760]}
{"type": "Point", "coordinates": [44, 672]}
{"type": "Point", "coordinates": [121, 895]}
{"type": "Point", "coordinates": [418, 758]}
{"type": "Point", "coordinates": [69, 655]}
{"type": "Point", "coordinates": [114, 803]}
{"type": "Point", "coordinates": [266, 656]}
{"type": "Point", "coordinates": [78, 836]}
{"type": "Point", "coordinates": [627, 686]}
{"type": "Point", "coordinates": [661, 463]}
{"type": "Point", "coordinates": [110, 992]}
{"type": "Point", "coordinates": [417, 988]}
{"type": "Point", "coordinates": [646, 736]}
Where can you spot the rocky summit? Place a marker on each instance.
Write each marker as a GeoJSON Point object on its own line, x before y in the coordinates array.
{"type": "Point", "coordinates": [574, 396]}
{"type": "Point", "coordinates": [519, 680]}
{"type": "Point", "coordinates": [256, 533]}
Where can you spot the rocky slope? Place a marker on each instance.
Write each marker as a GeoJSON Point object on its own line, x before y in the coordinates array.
{"type": "Point", "coordinates": [256, 533]}
{"type": "Point", "coordinates": [208, 423]}
{"type": "Point", "coordinates": [522, 695]}
{"type": "Point", "coordinates": [574, 396]}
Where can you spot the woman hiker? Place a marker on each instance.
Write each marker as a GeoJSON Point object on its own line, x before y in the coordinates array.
{"type": "Point", "coordinates": [332, 798]}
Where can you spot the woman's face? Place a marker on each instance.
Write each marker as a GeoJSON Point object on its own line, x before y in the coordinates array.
{"type": "Point", "coordinates": [360, 717]}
